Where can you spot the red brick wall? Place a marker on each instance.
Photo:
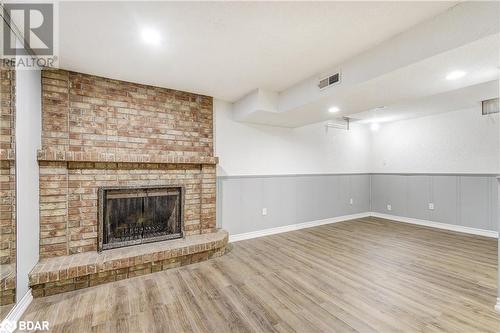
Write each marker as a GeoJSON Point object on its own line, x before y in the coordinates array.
{"type": "Point", "coordinates": [7, 107]}
{"type": "Point", "coordinates": [83, 113]}
{"type": "Point", "coordinates": [7, 167]}
{"type": "Point", "coordinates": [7, 186]}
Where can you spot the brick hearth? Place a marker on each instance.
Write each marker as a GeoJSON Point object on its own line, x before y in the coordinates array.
{"type": "Point", "coordinates": [60, 274]}
{"type": "Point", "coordinates": [100, 132]}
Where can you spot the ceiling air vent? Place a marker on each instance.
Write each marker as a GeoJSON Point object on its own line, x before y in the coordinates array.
{"type": "Point", "coordinates": [490, 106]}
{"type": "Point", "coordinates": [329, 81]}
{"type": "Point", "coordinates": [339, 123]}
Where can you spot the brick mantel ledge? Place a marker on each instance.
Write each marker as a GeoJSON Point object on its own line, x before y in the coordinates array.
{"type": "Point", "coordinates": [49, 155]}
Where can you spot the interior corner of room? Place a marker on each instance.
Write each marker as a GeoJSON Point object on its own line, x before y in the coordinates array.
{"type": "Point", "coordinates": [284, 183]}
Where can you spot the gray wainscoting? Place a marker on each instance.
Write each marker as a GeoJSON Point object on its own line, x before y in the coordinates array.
{"type": "Point", "coordinates": [288, 199]}
{"type": "Point", "coordinates": [464, 200]}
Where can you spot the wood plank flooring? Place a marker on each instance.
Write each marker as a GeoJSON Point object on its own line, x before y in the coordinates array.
{"type": "Point", "coordinates": [4, 310]}
{"type": "Point", "coordinates": [366, 275]}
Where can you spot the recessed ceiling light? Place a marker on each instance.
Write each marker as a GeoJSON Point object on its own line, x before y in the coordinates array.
{"type": "Point", "coordinates": [455, 75]}
{"type": "Point", "coordinates": [374, 126]}
{"type": "Point", "coordinates": [151, 36]}
{"type": "Point", "coordinates": [333, 109]}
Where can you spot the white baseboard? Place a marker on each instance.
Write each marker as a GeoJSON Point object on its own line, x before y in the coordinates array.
{"type": "Point", "coordinates": [439, 225]}
{"type": "Point", "coordinates": [9, 324]}
{"type": "Point", "coordinates": [497, 307]}
{"type": "Point", "coordinates": [291, 227]}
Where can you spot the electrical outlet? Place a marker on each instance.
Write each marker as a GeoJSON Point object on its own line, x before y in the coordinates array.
{"type": "Point", "coordinates": [431, 205]}
{"type": "Point", "coordinates": [389, 207]}
{"type": "Point", "coordinates": [264, 211]}
{"type": "Point", "coordinates": [351, 201]}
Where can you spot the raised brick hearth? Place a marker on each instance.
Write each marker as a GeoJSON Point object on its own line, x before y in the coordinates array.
{"type": "Point", "coordinates": [98, 132]}
{"type": "Point", "coordinates": [60, 274]}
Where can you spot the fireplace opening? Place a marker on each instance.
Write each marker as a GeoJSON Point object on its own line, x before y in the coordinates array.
{"type": "Point", "coordinates": [130, 216]}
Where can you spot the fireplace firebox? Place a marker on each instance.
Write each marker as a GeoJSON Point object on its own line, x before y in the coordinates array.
{"type": "Point", "coordinates": [137, 215]}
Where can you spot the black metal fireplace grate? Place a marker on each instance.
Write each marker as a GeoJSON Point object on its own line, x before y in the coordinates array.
{"type": "Point", "coordinates": [130, 216]}
{"type": "Point", "coordinates": [132, 232]}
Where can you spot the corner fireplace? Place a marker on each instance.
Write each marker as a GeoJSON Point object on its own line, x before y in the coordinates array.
{"type": "Point", "coordinates": [137, 215]}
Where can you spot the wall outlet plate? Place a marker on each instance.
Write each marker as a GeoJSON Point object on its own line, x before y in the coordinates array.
{"type": "Point", "coordinates": [264, 211]}
{"type": "Point", "coordinates": [389, 207]}
{"type": "Point", "coordinates": [351, 201]}
{"type": "Point", "coordinates": [431, 205]}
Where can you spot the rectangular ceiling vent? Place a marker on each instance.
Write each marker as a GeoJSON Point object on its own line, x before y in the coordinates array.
{"type": "Point", "coordinates": [339, 123]}
{"type": "Point", "coordinates": [329, 81]}
{"type": "Point", "coordinates": [490, 106]}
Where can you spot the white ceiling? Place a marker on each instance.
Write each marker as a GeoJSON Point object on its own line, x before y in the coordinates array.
{"type": "Point", "coordinates": [405, 91]}
{"type": "Point", "coordinates": [407, 74]}
{"type": "Point", "coordinates": [227, 49]}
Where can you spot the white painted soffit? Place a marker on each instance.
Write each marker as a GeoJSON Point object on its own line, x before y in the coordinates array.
{"type": "Point", "coordinates": [463, 98]}
{"type": "Point", "coordinates": [408, 66]}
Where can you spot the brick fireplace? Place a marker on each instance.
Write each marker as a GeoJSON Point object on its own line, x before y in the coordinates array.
{"type": "Point", "coordinates": [99, 134]}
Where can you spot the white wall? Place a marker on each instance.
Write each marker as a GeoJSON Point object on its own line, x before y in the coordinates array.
{"type": "Point", "coordinates": [246, 149]}
{"type": "Point", "coordinates": [461, 141]}
{"type": "Point", "coordinates": [28, 134]}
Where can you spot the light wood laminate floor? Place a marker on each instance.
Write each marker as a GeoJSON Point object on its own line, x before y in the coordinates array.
{"type": "Point", "coordinates": [366, 275]}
